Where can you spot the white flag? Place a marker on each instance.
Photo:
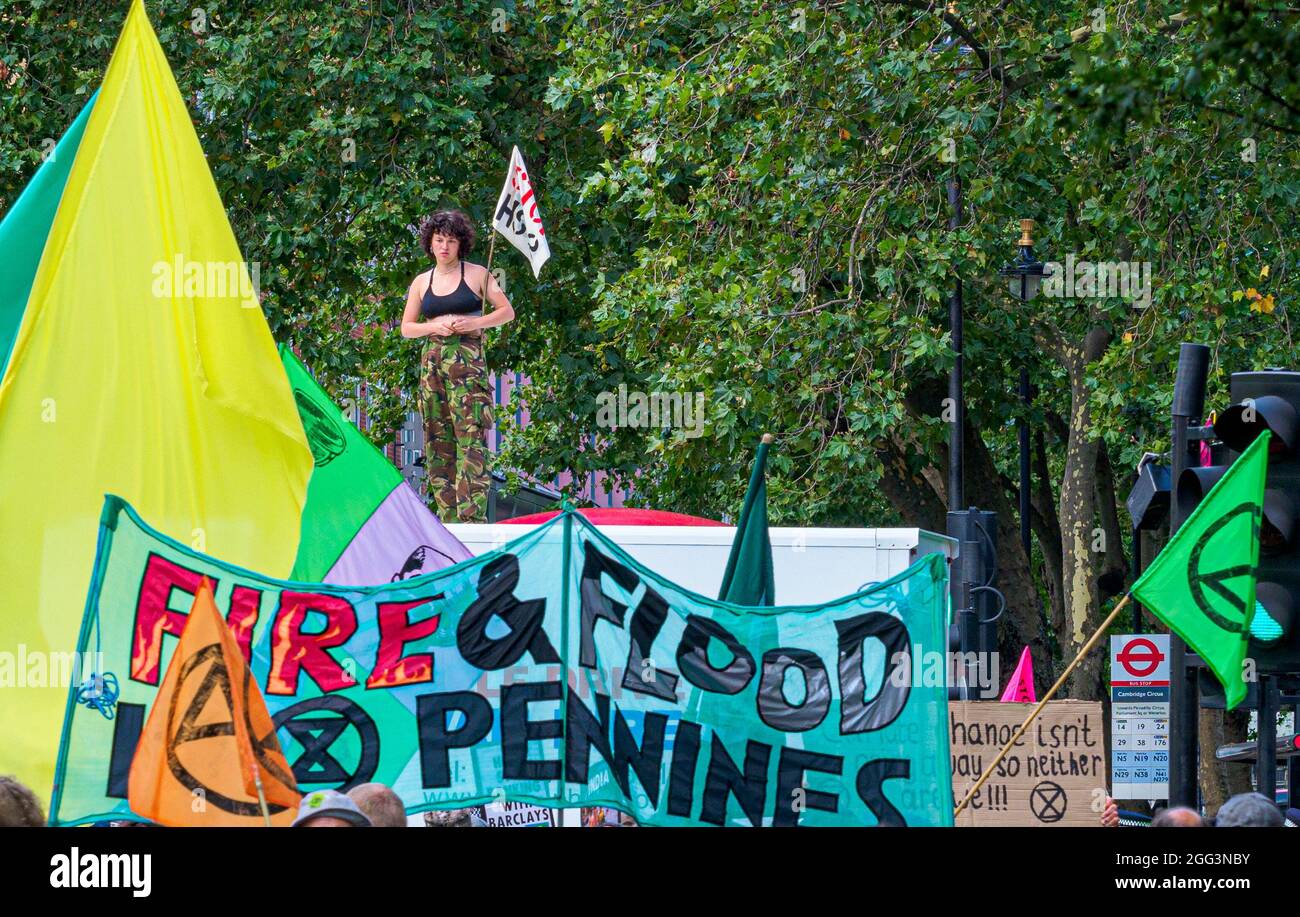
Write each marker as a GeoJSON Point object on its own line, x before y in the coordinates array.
{"type": "Point", "coordinates": [517, 217]}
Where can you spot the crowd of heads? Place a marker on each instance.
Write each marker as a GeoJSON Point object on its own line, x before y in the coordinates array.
{"type": "Point", "coordinates": [1245, 810]}
{"type": "Point", "coordinates": [370, 805]}
{"type": "Point", "coordinates": [373, 805]}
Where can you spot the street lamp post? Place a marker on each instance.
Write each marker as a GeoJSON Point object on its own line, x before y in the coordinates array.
{"type": "Point", "coordinates": [1025, 278]}
{"type": "Point", "coordinates": [956, 377]}
{"type": "Point", "coordinates": [1025, 274]}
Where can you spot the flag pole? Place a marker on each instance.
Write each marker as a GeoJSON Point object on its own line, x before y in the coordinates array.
{"type": "Point", "coordinates": [487, 274]}
{"type": "Point", "coordinates": [261, 797]}
{"type": "Point", "coordinates": [1087, 647]}
{"type": "Point", "coordinates": [487, 279]}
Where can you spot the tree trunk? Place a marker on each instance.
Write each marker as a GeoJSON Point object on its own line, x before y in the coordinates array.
{"type": "Point", "coordinates": [1114, 565]}
{"type": "Point", "coordinates": [1047, 526]}
{"type": "Point", "coordinates": [1081, 562]}
{"type": "Point", "coordinates": [1221, 780]}
{"type": "Point", "coordinates": [908, 491]}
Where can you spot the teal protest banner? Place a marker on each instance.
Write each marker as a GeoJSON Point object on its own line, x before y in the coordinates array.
{"type": "Point", "coordinates": [554, 671]}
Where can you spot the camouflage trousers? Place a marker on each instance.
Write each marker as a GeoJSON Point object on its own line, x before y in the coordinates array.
{"type": "Point", "coordinates": [456, 402]}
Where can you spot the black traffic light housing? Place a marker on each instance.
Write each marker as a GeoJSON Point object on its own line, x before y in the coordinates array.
{"type": "Point", "coordinates": [1148, 501]}
{"type": "Point", "coordinates": [1266, 400]}
{"type": "Point", "coordinates": [1254, 413]}
{"type": "Point", "coordinates": [974, 630]}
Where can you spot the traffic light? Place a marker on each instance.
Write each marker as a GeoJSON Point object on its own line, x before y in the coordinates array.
{"type": "Point", "coordinates": [1267, 400]}
{"type": "Point", "coordinates": [973, 634]}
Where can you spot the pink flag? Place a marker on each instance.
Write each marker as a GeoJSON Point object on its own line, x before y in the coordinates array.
{"type": "Point", "coordinates": [1020, 689]}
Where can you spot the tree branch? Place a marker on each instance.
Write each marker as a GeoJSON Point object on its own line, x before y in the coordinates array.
{"type": "Point", "coordinates": [962, 31]}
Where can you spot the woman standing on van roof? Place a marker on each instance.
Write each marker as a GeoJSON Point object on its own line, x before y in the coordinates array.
{"type": "Point", "coordinates": [444, 305]}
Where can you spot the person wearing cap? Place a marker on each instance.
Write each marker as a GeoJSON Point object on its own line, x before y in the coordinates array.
{"type": "Point", "coordinates": [1249, 810]}
{"type": "Point", "coordinates": [329, 809]}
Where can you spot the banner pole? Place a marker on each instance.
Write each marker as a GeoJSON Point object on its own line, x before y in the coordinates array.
{"type": "Point", "coordinates": [564, 660]}
{"type": "Point", "coordinates": [108, 519]}
{"type": "Point", "coordinates": [1087, 647]}
{"type": "Point", "coordinates": [261, 797]}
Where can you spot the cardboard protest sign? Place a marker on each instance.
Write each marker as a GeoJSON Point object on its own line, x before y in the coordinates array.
{"type": "Point", "coordinates": [555, 671]}
{"type": "Point", "coordinates": [1050, 777]}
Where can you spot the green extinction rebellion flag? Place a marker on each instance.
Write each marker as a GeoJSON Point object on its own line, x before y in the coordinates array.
{"type": "Point", "coordinates": [555, 670]}
{"type": "Point", "coordinates": [1202, 585]}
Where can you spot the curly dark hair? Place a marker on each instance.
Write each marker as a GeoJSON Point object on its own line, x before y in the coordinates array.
{"type": "Point", "coordinates": [18, 806]}
{"type": "Point", "coordinates": [448, 223]}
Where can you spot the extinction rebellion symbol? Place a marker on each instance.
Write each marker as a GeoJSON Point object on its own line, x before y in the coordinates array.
{"type": "Point", "coordinates": [1202, 583]}
{"type": "Point", "coordinates": [324, 434]}
{"type": "Point", "coordinates": [216, 678]}
{"type": "Point", "coordinates": [318, 734]}
{"type": "Point", "coordinates": [1047, 801]}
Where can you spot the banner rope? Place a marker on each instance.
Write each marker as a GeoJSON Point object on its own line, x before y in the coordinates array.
{"type": "Point", "coordinates": [99, 691]}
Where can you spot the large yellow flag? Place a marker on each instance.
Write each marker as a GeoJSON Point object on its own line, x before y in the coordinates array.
{"type": "Point", "coordinates": [208, 756]}
{"type": "Point", "coordinates": [143, 367]}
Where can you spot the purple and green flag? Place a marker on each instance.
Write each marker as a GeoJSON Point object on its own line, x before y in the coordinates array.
{"type": "Point", "coordinates": [363, 524]}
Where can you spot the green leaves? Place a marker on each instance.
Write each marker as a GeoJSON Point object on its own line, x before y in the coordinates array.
{"type": "Point", "coordinates": [736, 206]}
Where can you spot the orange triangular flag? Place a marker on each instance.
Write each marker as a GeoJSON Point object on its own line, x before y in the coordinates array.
{"type": "Point", "coordinates": [209, 738]}
{"type": "Point", "coordinates": [1020, 689]}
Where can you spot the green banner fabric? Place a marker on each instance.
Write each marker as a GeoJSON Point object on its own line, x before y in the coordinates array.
{"type": "Point", "coordinates": [554, 671]}
{"type": "Point", "coordinates": [1202, 584]}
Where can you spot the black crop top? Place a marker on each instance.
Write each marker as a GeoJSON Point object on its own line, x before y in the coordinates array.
{"type": "Point", "coordinates": [460, 301]}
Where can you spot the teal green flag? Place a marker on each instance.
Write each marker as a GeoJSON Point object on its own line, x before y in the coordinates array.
{"type": "Point", "coordinates": [25, 228]}
{"type": "Point", "coordinates": [1202, 585]}
{"type": "Point", "coordinates": [555, 670]}
{"type": "Point", "coordinates": [749, 577]}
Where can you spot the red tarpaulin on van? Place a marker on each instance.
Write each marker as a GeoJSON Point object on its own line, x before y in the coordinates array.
{"type": "Point", "coordinates": [618, 516]}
